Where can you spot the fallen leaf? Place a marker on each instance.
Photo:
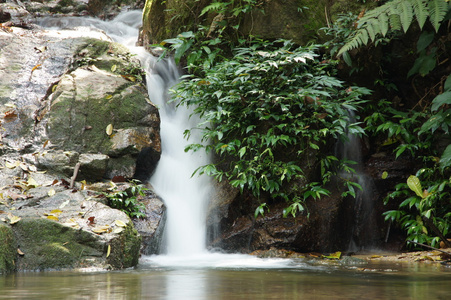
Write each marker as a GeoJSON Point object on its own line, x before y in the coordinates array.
{"type": "Point", "coordinates": [91, 220]}
{"type": "Point", "coordinates": [12, 165]}
{"type": "Point", "coordinates": [109, 129]}
{"type": "Point", "coordinates": [120, 223]}
{"type": "Point", "coordinates": [108, 251]}
{"type": "Point", "coordinates": [51, 192]}
{"type": "Point", "coordinates": [10, 115]}
{"type": "Point", "coordinates": [13, 219]}
{"type": "Point", "coordinates": [23, 167]}
{"type": "Point", "coordinates": [64, 203]}
{"type": "Point", "coordinates": [101, 229]}
{"type": "Point", "coordinates": [31, 182]}
{"type": "Point", "coordinates": [54, 218]}
{"type": "Point", "coordinates": [56, 212]}
{"type": "Point", "coordinates": [118, 230]}
{"type": "Point", "coordinates": [32, 168]}
{"type": "Point", "coordinates": [384, 175]}
{"type": "Point", "coordinates": [129, 77]}
{"type": "Point", "coordinates": [107, 97]}
{"type": "Point", "coordinates": [20, 252]}
{"type": "Point", "coordinates": [36, 67]}
{"type": "Point", "coordinates": [113, 68]}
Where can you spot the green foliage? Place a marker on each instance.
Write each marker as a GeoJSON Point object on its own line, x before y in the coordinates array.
{"type": "Point", "coordinates": [128, 200]}
{"type": "Point", "coordinates": [266, 111]}
{"type": "Point", "coordinates": [426, 215]}
{"type": "Point", "coordinates": [396, 15]}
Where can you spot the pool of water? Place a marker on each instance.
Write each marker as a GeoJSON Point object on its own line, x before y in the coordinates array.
{"type": "Point", "coordinates": [294, 280]}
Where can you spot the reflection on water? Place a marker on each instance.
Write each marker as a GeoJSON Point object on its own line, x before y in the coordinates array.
{"type": "Point", "coordinates": [305, 282]}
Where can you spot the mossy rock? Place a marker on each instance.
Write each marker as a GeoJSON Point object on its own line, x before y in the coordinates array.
{"type": "Point", "coordinates": [7, 249]}
{"type": "Point", "coordinates": [49, 245]}
{"type": "Point", "coordinates": [124, 250]}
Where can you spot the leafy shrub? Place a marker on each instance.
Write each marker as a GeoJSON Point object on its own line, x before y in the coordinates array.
{"type": "Point", "coordinates": [266, 111]}
{"type": "Point", "coordinates": [128, 200]}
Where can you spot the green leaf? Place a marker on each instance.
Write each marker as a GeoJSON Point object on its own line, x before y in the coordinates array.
{"type": "Point", "coordinates": [445, 160]}
{"type": "Point", "coordinates": [415, 185]}
{"type": "Point", "coordinates": [424, 40]}
{"type": "Point", "coordinates": [447, 85]}
{"type": "Point", "coordinates": [440, 100]}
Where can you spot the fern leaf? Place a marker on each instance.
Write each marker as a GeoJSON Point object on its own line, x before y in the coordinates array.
{"type": "Point", "coordinates": [421, 11]}
{"type": "Point", "coordinates": [383, 23]}
{"type": "Point", "coordinates": [215, 6]}
{"type": "Point", "coordinates": [395, 22]}
{"type": "Point", "coordinates": [405, 14]}
{"type": "Point", "coordinates": [372, 30]}
{"type": "Point", "coordinates": [437, 10]}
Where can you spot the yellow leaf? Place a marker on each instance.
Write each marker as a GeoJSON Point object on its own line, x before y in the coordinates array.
{"type": "Point", "coordinates": [54, 218]}
{"type": "Point", "coordinates": [31, 182]}
{"type": "Point", "coordinates": [108, 251]}
{"type": "Point", "coordinates": [384, 175]}
{"type": "Point", "coordinates": [113, 68]}
{"type": "Point", "coordinates": [56, 212]}
{"type": "Point", "coordinates": [83, 184]}
{"type": "Point", "coordinates": [12, 165]}
{"type": "Point", "coordinates": [13, 219]}
{"type": "Point", "coordinates": [109, 129]}
{"type": "Point", "coordinates": [35, 67]}
{"type": "Point", "coordinates": [129, 77]}
{"type": "Point", "coordinates": [120, 223]}
{"type": "Point", "coordinates": [108, 97]}
{"type": "Point", "coordinates": [51, 192]}
{"type": "Point", "coordinates": [118, 230]}
{"type": "Point", "coordinates": [20, 252]}
{"type": "Point", "coordinates": [101, 229]}
{"type": "Point", "coordinates": [54, 88]}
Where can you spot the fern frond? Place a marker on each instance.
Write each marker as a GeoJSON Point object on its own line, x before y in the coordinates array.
{"type": "Point", "coordinates": [396, 15]}
{"type": "Point", "coordinates": [437, 11]}
{"type": "Point", "coordinates": [421, 11]}
{"type": "Point", "coordinates": [405, 14]}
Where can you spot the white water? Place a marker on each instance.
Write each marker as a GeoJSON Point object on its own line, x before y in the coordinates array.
{"type": "Point", "coordinates": [185, 197]}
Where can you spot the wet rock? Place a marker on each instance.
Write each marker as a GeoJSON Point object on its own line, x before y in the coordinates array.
{"type": "Point", "coordinates": [326, 228]}
{"type": "Point", "coordinates": [151, 227]}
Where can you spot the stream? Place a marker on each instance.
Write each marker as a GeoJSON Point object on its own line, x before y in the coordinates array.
{"type": "Point", "coordinates": [186, 270]}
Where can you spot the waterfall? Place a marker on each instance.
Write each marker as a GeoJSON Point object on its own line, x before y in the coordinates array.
{"type": "Point", "coordinates": [363, 222]}
{"type": "Point", "coordinates": [185, 196]}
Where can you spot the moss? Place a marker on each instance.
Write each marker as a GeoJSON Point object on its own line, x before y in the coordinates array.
{"type": "Point", "coordinates": [125, 248]}
{"type": "Point", "coordinates": [50, 245]}
{"type": "Point", "coordinates": [7, 249]}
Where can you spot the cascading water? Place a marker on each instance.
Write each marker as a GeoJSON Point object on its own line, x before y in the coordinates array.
{"type": "Point", "coordinates": [362, 228]}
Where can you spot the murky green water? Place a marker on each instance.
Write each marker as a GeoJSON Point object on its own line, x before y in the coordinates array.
{"type": "Point", "coordinates": [317, 282]}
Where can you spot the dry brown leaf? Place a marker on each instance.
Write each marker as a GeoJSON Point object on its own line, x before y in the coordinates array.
{"type": "Point", "coordinates": [20, 252]}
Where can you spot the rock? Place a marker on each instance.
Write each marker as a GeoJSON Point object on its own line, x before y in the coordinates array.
{"type": "Point", "coordinates": [92, 166]}
{"type": "Point", "coordinates": [8, 252]}
{"type": "Point", "coordinates": [326, 228]}
{"type": "Point", "coordinates": [152, 226]}
{"type": "Point", "coordinates": [59, 93]}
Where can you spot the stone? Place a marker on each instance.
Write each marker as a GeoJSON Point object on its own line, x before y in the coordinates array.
{"type": "Point", "coordinates": [92, 166]}
{"type": "Point", "coordinates": [8, 250]}
{"type": "Point", "coordinates": [152, 226]}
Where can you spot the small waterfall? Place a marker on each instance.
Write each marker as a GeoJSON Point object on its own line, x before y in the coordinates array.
{"type": "Point", "coordinates": [186, 196]}
{"type": "Point", "coordinates": [363, 223]}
